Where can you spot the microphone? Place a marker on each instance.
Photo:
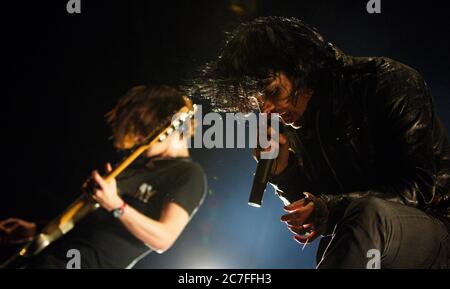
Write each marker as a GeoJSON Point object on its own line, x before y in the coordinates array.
{"type": "Point", "coordinates": [260, 181]}
{"type": "Point", "coordinates": [261, 178]}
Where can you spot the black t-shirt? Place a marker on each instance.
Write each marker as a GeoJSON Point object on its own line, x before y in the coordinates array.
{"type": "Point", "coordinates": [146, 185]}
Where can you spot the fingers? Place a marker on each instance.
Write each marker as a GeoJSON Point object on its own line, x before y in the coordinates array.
{"type": "Point", "coordinates": [9, 221]}
{"type": "Point", "coordinates": [95, 196]}
{"type": "Point", "coordinates": [282, 141]}
{"type": "Point", "coordinates": [298, 222]}
{"type": "Point", "coordinates": [306, 238]}
{"type": "Point", "coordinates": [8, 226]}
{"type": "Point", "coordinates": [12, 224]}
{"type": "Point", "coordinates": [103, 187]}
{"type": "Point", "coordinates": [8, 230]}
{"type": "Point", "coordinates": [98, 179]}
{"type": "Point", "coordinates": [301, 213]}
{"type": "Point", "coordinates": [295, 205]}
{"type": "Point", "coordinates": [98, 192]}
{"type": "Point", "coordinates": [13, 227]}
{"type": "Point", "coordinates": [295, 215]}
{"type": "Point", "coordinates": [302, 229]}
{"type": "Point", "coordinates": [271, 143]}
{"type": "Point", "coordinates": [282, 138]}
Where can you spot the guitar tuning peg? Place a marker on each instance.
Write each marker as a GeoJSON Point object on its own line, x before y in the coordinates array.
{"type": "Point", "coordinates": [176, 123]}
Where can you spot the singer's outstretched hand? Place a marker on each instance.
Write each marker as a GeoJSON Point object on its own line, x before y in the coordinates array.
{"type": "Point", "coordinates": [306, 218]}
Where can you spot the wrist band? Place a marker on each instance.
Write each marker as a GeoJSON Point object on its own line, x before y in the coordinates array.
{"type": "Point", "coordinates": [117, 213]}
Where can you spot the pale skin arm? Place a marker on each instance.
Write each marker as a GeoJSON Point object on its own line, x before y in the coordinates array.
{"type": "Point", "coordinates": [159, 235]}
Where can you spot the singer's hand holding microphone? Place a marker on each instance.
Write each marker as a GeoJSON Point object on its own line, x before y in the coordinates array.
{"type": "Point", "coordinates": [306, 218]}
{"type": "Point", "coordinates": [281, 162]}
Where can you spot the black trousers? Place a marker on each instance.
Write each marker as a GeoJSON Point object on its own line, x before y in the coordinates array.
{"type": "Point", "coordinates": [374, 233]}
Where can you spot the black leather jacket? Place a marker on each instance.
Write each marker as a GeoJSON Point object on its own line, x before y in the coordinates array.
{"type": "Point", "coordinates": [370, 129]}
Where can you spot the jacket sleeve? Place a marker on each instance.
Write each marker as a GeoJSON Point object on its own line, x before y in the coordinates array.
{"type": "Point", "coordinates": [405, 117]}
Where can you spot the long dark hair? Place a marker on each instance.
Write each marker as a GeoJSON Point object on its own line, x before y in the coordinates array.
{"type": "Point", "coordinates": [259, 48]}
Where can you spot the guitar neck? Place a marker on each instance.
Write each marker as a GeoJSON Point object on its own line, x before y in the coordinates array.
{"type": "Point", "coordinates": [85, 204]}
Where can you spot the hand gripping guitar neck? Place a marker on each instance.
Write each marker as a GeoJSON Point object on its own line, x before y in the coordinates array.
{"type": "Point", "coordinates": [85, 204]}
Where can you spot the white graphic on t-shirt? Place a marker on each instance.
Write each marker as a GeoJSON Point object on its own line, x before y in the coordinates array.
{"type": "Point", "coordinates": [145, 192]}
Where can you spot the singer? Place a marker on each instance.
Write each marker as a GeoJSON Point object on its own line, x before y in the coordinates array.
{"type": "Point", "coordinates": [160, 192]}
{"type": "Point", "coordinates": [364, 160]}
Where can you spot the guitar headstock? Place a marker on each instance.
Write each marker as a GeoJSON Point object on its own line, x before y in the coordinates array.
{"type": "Point", "coordinates": [178, 122]}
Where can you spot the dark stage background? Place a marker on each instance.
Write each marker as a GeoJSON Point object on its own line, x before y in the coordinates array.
{"type": "Point", "coordinates": [63, 72]}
